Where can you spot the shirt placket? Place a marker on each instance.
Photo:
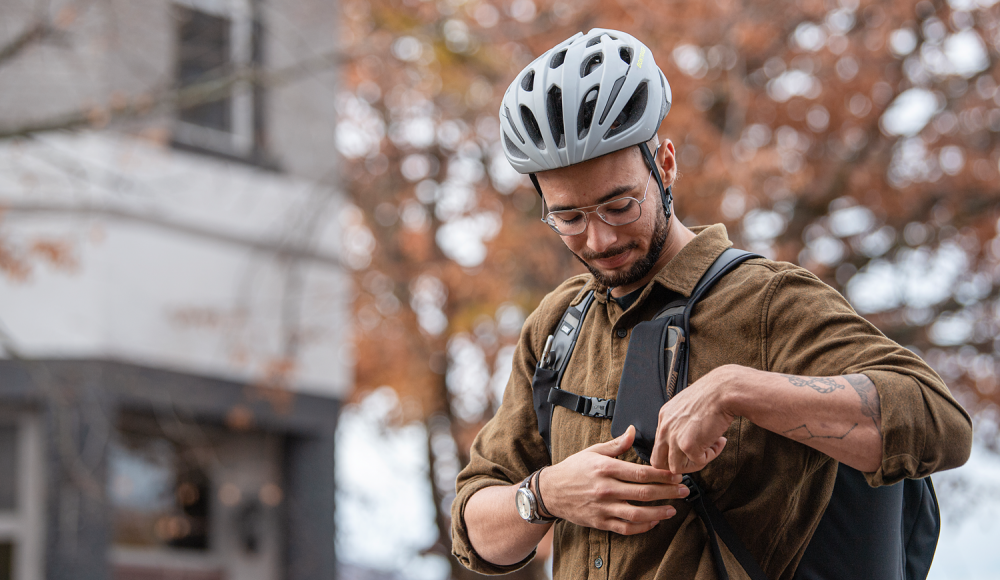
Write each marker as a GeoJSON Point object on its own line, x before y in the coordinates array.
{"type": "Point", "coordinates": [599, 554]}
{"type": "Point", "coordinates": [600, 541]}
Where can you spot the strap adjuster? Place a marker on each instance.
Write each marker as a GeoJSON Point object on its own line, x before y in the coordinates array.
{"type": "Point", "coordinates": [688, 481]}
{"type": "Point", "coordinates": [600, 408]}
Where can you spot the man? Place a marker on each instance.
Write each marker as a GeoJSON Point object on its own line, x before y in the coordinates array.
{"type": "Point", "coordinates": [787, 380]}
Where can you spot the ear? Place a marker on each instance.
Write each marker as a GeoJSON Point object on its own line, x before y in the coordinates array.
{"type": "Point", "coordinates": [667, 161]}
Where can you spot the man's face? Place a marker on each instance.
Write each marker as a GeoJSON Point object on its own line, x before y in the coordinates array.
{"type": "Point", "coordinates": [616, 256]}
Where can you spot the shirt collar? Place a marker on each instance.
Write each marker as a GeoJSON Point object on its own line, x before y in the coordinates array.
{"type": "Point", "coordinates": [683, 271]}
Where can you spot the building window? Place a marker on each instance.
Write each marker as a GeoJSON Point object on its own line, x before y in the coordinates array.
{"type": "Point", "coordinates": [6, 561]}
{"type": "Point", "coordinates": [22, 494]}
{"type": "Point", "coordinates": [159, 492]}
{"type": "Point", "coordinates": [8, 494]}
{"type": "Point", "coordinates": [215, 41]}
{"type": "Point", "coordinates": [191, 500]}
{"type": "Point", "coordinates": [8, 476]}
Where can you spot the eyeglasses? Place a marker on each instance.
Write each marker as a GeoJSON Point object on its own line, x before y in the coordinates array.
{"type": "Point", "coordinates": [617, 212]}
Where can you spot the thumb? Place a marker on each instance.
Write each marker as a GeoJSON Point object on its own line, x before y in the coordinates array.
{"type": "Point", "coordinates": [616, 446]}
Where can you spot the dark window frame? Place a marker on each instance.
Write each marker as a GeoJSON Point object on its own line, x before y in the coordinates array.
{"type": "Point", "coordinates": [243, 138]}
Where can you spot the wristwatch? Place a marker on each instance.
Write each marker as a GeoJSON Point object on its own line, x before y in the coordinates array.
{"type": "Point", "coordinates": [527, 505]}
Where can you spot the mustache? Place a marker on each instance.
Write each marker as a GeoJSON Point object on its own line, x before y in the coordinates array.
{"type": "Point", "coordinates": [610, 252]}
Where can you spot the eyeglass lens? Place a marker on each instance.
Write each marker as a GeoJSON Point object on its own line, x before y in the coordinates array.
{"type": "Point", "coordinates": [619, 212]}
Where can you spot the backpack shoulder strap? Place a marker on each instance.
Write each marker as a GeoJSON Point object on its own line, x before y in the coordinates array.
{"type": "Point", "coordinates": [552, 365]}
{"type": "Point", "coordinates": [724, 264]}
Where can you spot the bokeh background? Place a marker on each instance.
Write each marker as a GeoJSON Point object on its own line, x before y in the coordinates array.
{"type": "Point", "coordinates": [305, 206]}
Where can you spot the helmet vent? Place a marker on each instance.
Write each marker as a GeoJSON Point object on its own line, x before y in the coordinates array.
{"type": "Point", "coordinates": [531, 126]}
{"type": "Point", "coordinates": [512, 125]}
{"type": "Point", "coordinates": [586, 115]}
{"type": "Point", "coordinates": [528, 81]}
{"type": "Point", "coordinates": [557, 59]}
{"type": "Point", "coordinates": [625, 54]}
{"type": "Point", "coordinates": [554, 111]}
{"type": "Point", "coordinates": [632, 112]}
{"type": "Point", "coordinates": [593, 41]}
{"type": "Point", "coordinates": [614, 96]}
{"type": "Point", "coordinates": [591, 63]}
{"type": "Point", "coordinates": [512, 149]}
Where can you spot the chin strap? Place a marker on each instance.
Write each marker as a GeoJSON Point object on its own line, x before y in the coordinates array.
{"type": "Point", "coordinates": [666, 196]}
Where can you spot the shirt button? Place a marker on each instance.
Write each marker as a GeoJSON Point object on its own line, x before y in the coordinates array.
{"type": "Point", "coordinates": [598, 563]}
{"type": "Point", "coordinates": [622, 333]}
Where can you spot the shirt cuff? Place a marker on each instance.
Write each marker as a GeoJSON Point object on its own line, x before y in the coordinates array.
{"type": "Point", "coordinates": [903, 410]}
{"type": "Point", "coordinates": [461, 546]}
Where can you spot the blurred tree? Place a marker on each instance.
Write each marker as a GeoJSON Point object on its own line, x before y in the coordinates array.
{"type": "Point", "coordinates": [859, 141]}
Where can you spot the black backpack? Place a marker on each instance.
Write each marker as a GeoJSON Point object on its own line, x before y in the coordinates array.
{"type": "Point", "coordinates": [888, 532]}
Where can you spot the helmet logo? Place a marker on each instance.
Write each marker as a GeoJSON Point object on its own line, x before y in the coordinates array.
{"type": "Point", "coordinates": [642, 53]}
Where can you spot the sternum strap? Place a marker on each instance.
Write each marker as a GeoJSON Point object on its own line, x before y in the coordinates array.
{"type": "Point", "coordinates": [588, 406]}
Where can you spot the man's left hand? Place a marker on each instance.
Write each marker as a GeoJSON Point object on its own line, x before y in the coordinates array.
{"type": "Point", "coordinates": [690, 427]}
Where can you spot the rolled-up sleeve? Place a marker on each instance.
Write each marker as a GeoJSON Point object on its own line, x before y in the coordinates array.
{"type": "Point", "coordinates": [810, 329]}
{"type": "Point", "coordinates": [508, 447]}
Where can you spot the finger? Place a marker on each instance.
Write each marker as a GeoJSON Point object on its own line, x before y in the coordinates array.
{"type": "Point", "coordinates": [658, 458]}
{"type": "Point", "coordinates": [638, 473]}
{"type": "Point", "coordinates": [685, 463]}
{"type": "Point", "coordinates": [678, 461]}
{"type": "Point", "coordinates": [651, 492]}
{"type": "Point", "coordinates": [616, 446]}
{"type": "Point", "coordinates": [634, 514]}
{"type": "Point", "coordinates": [717, 447]}
{"type": "Point", "coordinates": [624, 528]}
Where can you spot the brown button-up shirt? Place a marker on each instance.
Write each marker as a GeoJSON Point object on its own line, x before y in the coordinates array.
{"type": "Point", "coordinates": [766, 315]}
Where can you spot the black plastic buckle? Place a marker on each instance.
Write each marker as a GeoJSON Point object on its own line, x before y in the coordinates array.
{"type": "Point", "coordinates": [692, 487]}
{"type": "Point", "coordinates": [600, 408]}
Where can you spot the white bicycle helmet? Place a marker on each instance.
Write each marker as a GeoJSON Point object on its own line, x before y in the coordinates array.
{"type": "Point", "coordinates": [589, 96]}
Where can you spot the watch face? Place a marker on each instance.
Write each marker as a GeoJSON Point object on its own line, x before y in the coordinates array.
{"type": "Point", "coordinates": [523, 504]}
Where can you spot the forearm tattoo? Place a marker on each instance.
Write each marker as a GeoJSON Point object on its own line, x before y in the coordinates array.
{"type": "Point", "coordinates": [821, 385]}
{"type": "Point", "coordinates": [803, 433]}
{"type": "Point", "coordinates": [871, 405]}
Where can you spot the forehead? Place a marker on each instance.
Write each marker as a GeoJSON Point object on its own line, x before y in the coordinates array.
{"type": "Point", "coordinates": [589, 182]}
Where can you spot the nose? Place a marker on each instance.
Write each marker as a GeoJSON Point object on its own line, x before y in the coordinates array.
{"type": "Point", "coordinates": [600, 236]}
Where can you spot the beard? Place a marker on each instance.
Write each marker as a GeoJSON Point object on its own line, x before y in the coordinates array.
{"type": "Point", "coordinates": [639, 269]}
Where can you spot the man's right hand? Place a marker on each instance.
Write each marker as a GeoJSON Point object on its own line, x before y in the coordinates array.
{"type": "Point", "coordinates": [592, 488]}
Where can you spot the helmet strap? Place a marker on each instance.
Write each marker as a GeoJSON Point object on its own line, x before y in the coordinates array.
{"type": "Point", "coordinates": [666, 196]}
{"type": "Point", "coordinates": [538, 188]}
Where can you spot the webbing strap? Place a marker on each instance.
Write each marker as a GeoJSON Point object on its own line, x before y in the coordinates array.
{"type": "Point", "coordinates": [725, 263]}
{"type": "Point", "coordinates": [552, 365]}
{"type": "Point", "coordinates": [588, 406]}
{"type": "Point", "coordinates": [716, 524]}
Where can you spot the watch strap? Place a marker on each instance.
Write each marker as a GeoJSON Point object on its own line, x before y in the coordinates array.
{"type": "Point", "coordinates": [534, 517]}
{"type": "Point", "coordinates": [538, 495]}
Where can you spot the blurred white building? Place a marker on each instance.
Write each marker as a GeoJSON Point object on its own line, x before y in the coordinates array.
{"type": "Point", "coordinates": [174, 316]}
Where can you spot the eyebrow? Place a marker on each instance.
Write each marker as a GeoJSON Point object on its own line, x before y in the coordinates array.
{"type": "Point", "coordinates": [619, 191]}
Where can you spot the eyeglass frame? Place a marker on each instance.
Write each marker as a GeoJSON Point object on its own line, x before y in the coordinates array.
{"type": "Point", "coordinates": [596, 207]}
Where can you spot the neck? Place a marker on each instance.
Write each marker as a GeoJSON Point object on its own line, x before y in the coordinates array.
{"type": "Point", "coordinates": [678, 236]}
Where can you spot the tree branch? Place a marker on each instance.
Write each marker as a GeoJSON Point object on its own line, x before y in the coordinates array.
{"type": "Point", "coordinates": [277, 247]}
{"type": "Point", "coordinates": [196, 94]}
{"type": "Point", "coordinates": [27, 37]}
